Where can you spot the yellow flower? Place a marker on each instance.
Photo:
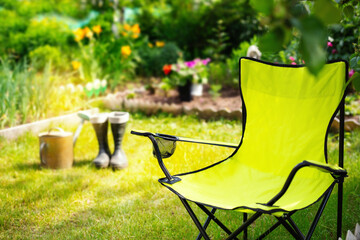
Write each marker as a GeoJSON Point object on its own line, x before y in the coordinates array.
{"type": "Point", "coordinates": [150, 45]}
{"type": "Point", "coordinates": [135, 36]}
{"type": "Point", "coordinates": [79, 34]}
{"type": "Point", "coordinates": [160, 43]}
{"type": "Point", "coordinates": [125, 50]}
{"type": "Point", "coordinates": [87, 32]}
{"type": "Point", "coordinates": [135, 29]}
{"type": "Point", "coordinates": [124, 34]}
{"type": "Point", "coordinates": [75, 65]}
{"type": "Point", "coordinates": [97, 29]}
{"type": "Point", "coordinates": [127, 27]}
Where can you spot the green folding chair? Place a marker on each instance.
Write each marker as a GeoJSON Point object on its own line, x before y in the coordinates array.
{"type": "Point", "coordinates": [280, 165]}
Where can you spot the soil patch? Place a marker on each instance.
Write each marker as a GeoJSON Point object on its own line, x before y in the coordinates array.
{"type": "Point", "coordinates": [229, 98]}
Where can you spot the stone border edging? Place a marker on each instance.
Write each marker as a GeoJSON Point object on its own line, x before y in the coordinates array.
{"type": "Point", "coordinates": [35, 127]}
{"type": "Point", "coordinates": [133, 105]}
{"type": "Point", "coordinates": [115, 103]}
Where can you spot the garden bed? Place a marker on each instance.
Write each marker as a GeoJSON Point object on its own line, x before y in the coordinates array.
{"type": "Point", "coordinates": [226, 105]}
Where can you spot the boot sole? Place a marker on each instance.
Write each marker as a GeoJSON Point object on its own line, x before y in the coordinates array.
{"type": "Point", "coordinates": [101, 165]}
{"type": "Point", "coordinates": [116, 167]}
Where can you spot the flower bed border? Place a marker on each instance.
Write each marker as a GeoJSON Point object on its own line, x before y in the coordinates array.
{"type": "Point", "coordinates": [114, 103]}
{"type": "Point", "coordinates": [35, 127]}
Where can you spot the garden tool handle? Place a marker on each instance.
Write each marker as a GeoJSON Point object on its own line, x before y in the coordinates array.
{"type": "Point", "coordinates": [42, 146]}
{"type": "Point", "coordinates": [78, 131]}
{"type": "Point", "coordinates": [57, 128]}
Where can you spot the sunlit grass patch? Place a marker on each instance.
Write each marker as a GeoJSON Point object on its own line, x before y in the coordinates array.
{"type": "Point", "coordinates": [84, 202]}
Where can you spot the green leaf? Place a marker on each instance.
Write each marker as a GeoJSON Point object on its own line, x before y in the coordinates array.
{"type": "Point", "coordinates": [312, 43]}
{"type": "Point", "coordinates": [354, 62]}
{"type": "Point", "coordinates": [327, 12]}
{"type": "Point", "coordinates": [349, 11]}
{"type": "Point", "coordinates": [272, 41]}
{"type": "Point", "coordinates": [356, 81]}
{"type": "Point", "coordinates": [262, 6]}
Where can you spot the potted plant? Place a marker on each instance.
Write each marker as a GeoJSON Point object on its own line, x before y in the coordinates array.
{"type": "Point", "coordinates": [188, 77]}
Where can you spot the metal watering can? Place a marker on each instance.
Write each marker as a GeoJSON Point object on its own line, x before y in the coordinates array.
{"type": "Point", "coordinates": [56, 147]}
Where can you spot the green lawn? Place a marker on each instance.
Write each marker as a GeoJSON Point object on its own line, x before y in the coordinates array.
{"type": "Point", "coordinates": [84, 202]}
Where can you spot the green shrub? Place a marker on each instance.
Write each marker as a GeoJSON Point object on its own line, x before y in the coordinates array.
{"type": "Point", "coordinates": [153, 59]}
{"type": "Point", "coordinates": [190, 24]}
{"type": "Point", "coordinates": [45, 54]}
{"type": "Point", "coordinates": [39, 33]}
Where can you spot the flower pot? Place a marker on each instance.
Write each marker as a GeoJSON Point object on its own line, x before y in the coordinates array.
{"type": "Point", "coordinates": [196, 89]}
{"type": "Point", "coordinates": [185, 92]}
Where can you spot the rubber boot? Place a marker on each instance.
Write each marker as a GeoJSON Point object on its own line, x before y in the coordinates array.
{"type": "Point", "coordinates": [118, 122]}
{"type": "Point", "coordinates": [100, 124]}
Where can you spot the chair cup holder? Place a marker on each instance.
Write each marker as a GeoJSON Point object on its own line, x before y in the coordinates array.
{"type": "Point", "coordinates": [166, 147]}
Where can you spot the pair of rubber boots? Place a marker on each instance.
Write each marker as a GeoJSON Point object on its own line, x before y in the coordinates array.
{"type": "Point", "coordinates": [118, 121]}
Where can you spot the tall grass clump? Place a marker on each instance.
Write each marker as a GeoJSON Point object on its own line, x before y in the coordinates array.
{"type": "Point", "coordinates": [21, 93]}
{"type": "Point", "coordinates": [28, 94]}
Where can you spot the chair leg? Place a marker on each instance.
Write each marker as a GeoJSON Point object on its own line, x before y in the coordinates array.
{"type": "Point", "coordinates": [339, 210]}
{"type": "Point", "coordinates": [295, 227]}
{"type": "Point", "coordinates": [319, 212]}
{"type": "Point", "coordinates": [267, 232]}
{"type": "Point", "coordinates": [245, 231]}
{"type": "Point", "coordinates": [290, 229]}
{"type": "Point", "coordinates": [272, 228]}
{"type": "Point", "coordinates": [217, 221]}
{"type": "Point", "coordinates": [244, 226]}
{"type": "Point", "coordinates": [207, 222]}
{"type": "Point", "coordinates": [194, 218]}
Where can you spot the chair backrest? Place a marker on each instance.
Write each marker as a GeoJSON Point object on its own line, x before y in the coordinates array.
{"type": "Point", "coordinates": [288, 112]}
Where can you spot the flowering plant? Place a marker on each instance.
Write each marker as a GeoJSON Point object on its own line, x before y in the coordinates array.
{"type": "Point", "coordinates": [86, 63]}
{"type": "Point", "coordinates": [194, 70]}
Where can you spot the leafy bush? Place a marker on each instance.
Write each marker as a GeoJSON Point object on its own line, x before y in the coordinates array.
{"type": "Point", "coordinates": [154, 58]}
{"type": "Point", "coordinates": [11, 23]}
{"type": "Point", "coordinates": [42, 55]}
{"type": "Point", "coordinates": [39, 33]}
{"type": "Point", "coordinates": [190, 24]}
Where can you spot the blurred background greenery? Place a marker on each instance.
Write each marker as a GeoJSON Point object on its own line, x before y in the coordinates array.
{"type": "Point", "coordinates": [74, 43]}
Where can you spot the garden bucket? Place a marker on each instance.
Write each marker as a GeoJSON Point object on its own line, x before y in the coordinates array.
{"type": "Point", "coordinates": [56, 149]}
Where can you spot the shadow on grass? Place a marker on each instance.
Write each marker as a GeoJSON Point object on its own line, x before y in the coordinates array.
{"type": "Point", "coordinates": [78, 163]}
{"type": "Point", "coordinates": [27, 166]}
{"type": "Point", "coordinates": [37, 166]}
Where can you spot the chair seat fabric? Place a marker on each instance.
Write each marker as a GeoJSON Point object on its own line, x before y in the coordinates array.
{"type": "Point", "coordinates": [250, 189]}
{"type": "Point", "coordinates": [287, 113]}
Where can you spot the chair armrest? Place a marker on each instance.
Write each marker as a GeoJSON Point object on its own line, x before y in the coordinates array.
{"type": "Point", "coordinates": [335, 171]}
{"type": "Point", "coordinates": [325, 167]}
{"type": "Point", "coordinates": [164, 149]}
{"type": "Point", "coordinates": [184, 139]}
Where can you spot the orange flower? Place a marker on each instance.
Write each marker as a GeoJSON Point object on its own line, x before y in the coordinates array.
{"type": "Point", "coordinates": [127, 27]}
{"type": "Point", "coordinates": [75, 65]}
{"type": "Point", "coordinates": [125, 51]}
{"type": "Point", "coordinates": [160, 43]}
{"type": "Point", "coordinates": [97, 29]}
{"type": "Point", "coordinates": [135, 29]}
{"type": "Point", "coordinates": [124, 34]}
{"type": "Point", "coordinates": [79, 34]}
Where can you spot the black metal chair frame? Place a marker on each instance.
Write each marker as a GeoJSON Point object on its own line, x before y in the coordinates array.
{"type": "Point", "coordinates": [284, 220]}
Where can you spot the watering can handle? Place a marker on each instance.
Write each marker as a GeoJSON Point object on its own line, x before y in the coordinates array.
{"type": "Point", "coordinates": [42, 146]}
{"type": "Point", "coordinates": [57, 128]}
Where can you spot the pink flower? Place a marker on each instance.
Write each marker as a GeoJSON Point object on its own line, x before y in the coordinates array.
{"type": "Point", "coordinates": [333, 51]}
{"type": "Point", "coordinates": [206, 61]}
{"type": "Point", "coordinates": [292, 58]}
{"type": "Point", "coordinates": [329, 44]}
{"type": "Point", "coordinates": [293, 63]}
{"type": "Point", "coordinates": [303, 61]}
{"type": "Point", "coordinates": [351, 73]}
{"type": "Point", "coordinates": [190, 64]}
